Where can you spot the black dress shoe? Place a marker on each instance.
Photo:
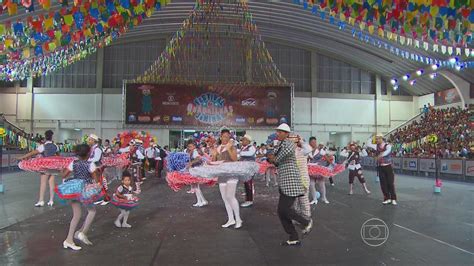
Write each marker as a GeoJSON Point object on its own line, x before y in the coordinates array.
{"type": "Point", "coordinates": [291, 243]}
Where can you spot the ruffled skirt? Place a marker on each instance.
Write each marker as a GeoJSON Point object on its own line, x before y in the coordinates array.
{"type": "Point", "coordinates": [243, 171]}
{"type": "Point", "coordinates": [319, 172]}
{"type": "Point", "coordinates": [124, 204]}
{"type": "Point", "coordinates": [48, 165]}
{"type": "Point", "coordinates": [177, 180]}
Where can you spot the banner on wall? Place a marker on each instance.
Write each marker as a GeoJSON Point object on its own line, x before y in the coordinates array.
{"type": "Point", "coordinates": [469, 168]}
{"type": "Point", "coordinates": [448, 96]}
{"type": "Point", "coordinates": [397, 163]}
{"type": "Point", "coordinates": [410, 164]}
{"type": "Point", "coordinates": [237, 106]}
{"type": "Point", "coordinates": [451, 166]}
{"type": "Point", "coordinates": [427, 165]}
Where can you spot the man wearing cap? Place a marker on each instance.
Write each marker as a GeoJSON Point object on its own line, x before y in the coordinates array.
{"type": "Point", "coordinates": [290, 186]}
{"type": "Point", "coordinates": [96, 158]}
{"type": "Point", "coordinates": [385, 170]}
{"type": "Point", "coordinates": [96, 152]}
{"type": "Point", "coordinates": [248, 153]}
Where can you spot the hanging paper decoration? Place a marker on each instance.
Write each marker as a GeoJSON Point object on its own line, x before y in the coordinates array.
{"type": "Point", "coordinates": [66, 36]}
{"type": "Point", "coordinates": [418, 19]}
{"type": "Point", "coordinates": [185, 60]}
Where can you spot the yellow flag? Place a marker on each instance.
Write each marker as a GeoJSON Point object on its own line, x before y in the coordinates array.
{"type": "Point", "coordinates": [26, 53]}
{"type": "Point", "coordinates": [371, 29]}
{"type": "Point", "coordinates": [381, 32]}
{"type": "Point", "coordinates": [8, 43]}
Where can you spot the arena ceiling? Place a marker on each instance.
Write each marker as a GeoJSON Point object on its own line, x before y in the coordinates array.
{"type": "Point", "coordinates": [289, 24]}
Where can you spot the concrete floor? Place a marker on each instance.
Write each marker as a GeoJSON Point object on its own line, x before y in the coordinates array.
{"type": "Point", "coordinates": [425, 229]}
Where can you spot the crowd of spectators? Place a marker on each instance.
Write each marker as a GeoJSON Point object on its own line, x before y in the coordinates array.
{"type": "Point", "coordinates": [450, 125]}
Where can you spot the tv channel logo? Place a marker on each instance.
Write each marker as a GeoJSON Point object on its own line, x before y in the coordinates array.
{"type": "Point", "coordinates": [374, 232]}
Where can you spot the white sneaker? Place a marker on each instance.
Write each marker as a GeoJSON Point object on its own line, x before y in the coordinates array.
{"type": "Point", "coordinates": [204, 203]}
{"type": "Point", "coordinates": [367, 191]}
{"type": "Point", "coordinates": [246, 204]}
{"type": "Point", "coordinates": [126, 225]}
{"type": "Point", "coordinates": [387, 202]}
{"type": "Point", "coordinates": [326, 201]}
{"type": "Point", "coordinates": [228, 224]}
{"type": "Point", "coordinates": [71, 246]}
{"type": "Point", "coordinates": [50, 203]}
{"type": "Point", "coordinates": [394, 202]}
{"type": "Point", "coordinates": [103, 203]}
{"type": "Point", "coordinates": [117, 223]}
{"type": "Point", "coordinates": [238, 224]}
{"type": "Point", "coordinates": [98, 202]}
{"type": "Point", "coordinates": [351, 192]}
{"type": "Point", "coordinates": [39, 204]}
{"type": "Point", "coordinates": [332, 184]}
{"type": "Point", "coordinates": [314, 202]}
{"type": "Point", "coordinates": [197, 204]}
{"type": "Point", "coordinates": [83, 238]}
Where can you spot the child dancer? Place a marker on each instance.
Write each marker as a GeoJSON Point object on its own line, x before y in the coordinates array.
{"type": "Point", "coordinates": [355, 169]}
{"type": "Point", "coordinates": [124, 199]}
{"type": "Point", "coordinates": [87, 172]}
{"type": "Point", "coordinates": [196, 160]}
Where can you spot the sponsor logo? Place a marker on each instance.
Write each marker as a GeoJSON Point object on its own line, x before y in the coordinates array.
{"type": "Point", "coordinates": [249, 102]}
{"type": "Point", "coordinates": [450, 96]}
{"type": "Point", "coordinates": [444, 167]}
{"type": "Point", "coordinates": [170, 100]}
{"type": "Point", "coordinates": [132, 118]}
{"type": "Point", "coordinates": [260, 120]}
{"type": "Point", "coordinates": [176, 119]}
{"type": "Point", "coordinates": [251, 120]}
{"type": "Point", "coordinates": [144, 118]}
{"type": "Point", "coordinates": [455, 167]}
{"type": "Point", "coordinates": [412, 164]}
{"type": "Point", "coordinates": [240, 120]}
{"type": "Point", "coordinates": [283, 120]}
{"type": "Point", "coordinates": [469, 169]}
{"type": "Point", "coordinates": [272, 121]}
{"type": "Point", "coordinates": [166, 118]}
{"type": "Point", "coordinates": [157, 118]}
{"type": "Point", "coordinates": [209, 108]}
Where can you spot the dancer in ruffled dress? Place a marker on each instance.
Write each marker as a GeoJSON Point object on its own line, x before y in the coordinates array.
{"type": "Point", "coordinates": [315, 157]}
{"type": "Point", "coordinates": [226, 152]}
{"type": "Point", "coordinates": [302, 150]}
{"type": "Point", "coordinates": [84, 172]}
{"type": "Point", "coordinates": [196, 160]}
{"type": "Point", "coordinates": [47, 149]}
{"type": "Point", "coordinates": [125, 199]}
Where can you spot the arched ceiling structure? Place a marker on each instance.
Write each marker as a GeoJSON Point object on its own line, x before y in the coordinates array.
{"type": "Point", "coordinates": [289, 24]}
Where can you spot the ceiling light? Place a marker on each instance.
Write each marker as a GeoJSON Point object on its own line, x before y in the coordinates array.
{"type": "Point", "coordinates": [413, 82]}
{"type": "Point", "coordinates": [433, 75]}
{"type": "Point", "coordinates": [420, 72]}
{"type": "Point", "coordinates": [393, 81]}
{"type": "Point", "coordinates": [435, 66]}
{"type": "Point", "coordinates": [406, 77]}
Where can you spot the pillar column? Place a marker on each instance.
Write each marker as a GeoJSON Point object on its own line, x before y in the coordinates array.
{"type": "Point", "coordinates": [99, 96]}
{"type": "Point", "coordinates": [31, 94]}
{"type": "Point", "coordinates": [378, 100]}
